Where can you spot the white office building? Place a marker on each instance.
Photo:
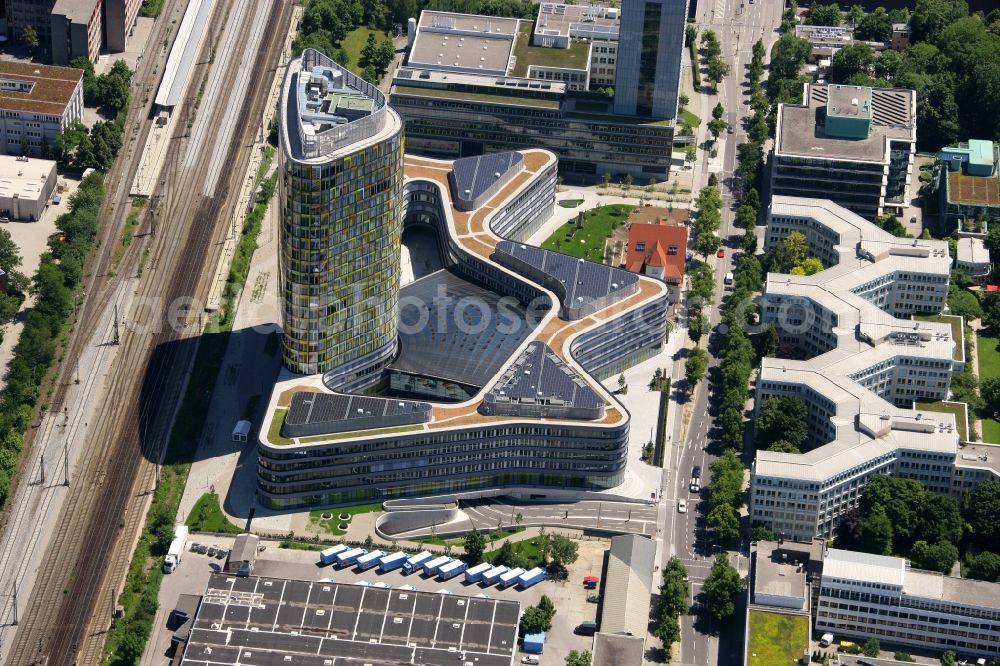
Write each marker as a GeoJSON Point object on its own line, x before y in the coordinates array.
{"type": "Point", "coordinates": [866, 596]}
{"type": "Point", "coordinates": [859, 367]}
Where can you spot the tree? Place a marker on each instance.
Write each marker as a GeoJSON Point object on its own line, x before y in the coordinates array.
{"type": "Point", "coordinates": [546, 605]}
{"type": "Point", "coordinates": [535, 620]}
{"type": "Point", "coordinates": [506, 556]}
{"type": "Point", "coordinates": [891, 224]}
{"type": "Point", "coordinates": [940, 557]}
{"type": "Point", "coordinates": [949, 658]}
{"type": "Point", "coordinates": [475, 545]}
{"type": "Point", "coordinates": [930, 17]}
{"type": "Point", "coordinates": [991, 310]}
{"type": "Point", "coordinates": [563, 550]}
{"type": "Point", "coordinates": [782, 418]}
{"type": "Point", "coordinates": [783, 446]}
{"type": "Point", "coordinates": [706, 243]}
{"type": "Point", "coordinates": [965, 388]}
{"type": "Point", "coordinates": [717, 126]}
{"type": "Point", "coordinates": [29, 37]}
{"type": "Point", "coordinates": [825, 15]}
{"type": "Point", "coordinates": [722, 588]}
{"type": "Point", "coordinates": [875, 27]}
{"type": "Point", "coordinates": [690, 153]}
{"type": "Point", "coordinates": [876, 534]}
{"type": "Point", "coordinates": [581, 658]}
{"type": "Point", "coordinates": [369, 52]}
{"type": "Point", "coordinates": [10, 254]}
{"type": "Point", "coordinates": [695, 367]}
{"type": "Point", "coordinates": [984, 566]}
{"type": "Point", "coordinates": [852, 59]}
{"type": "Point", "coordinates": [982, 511]}
{"type": "Point", "coordinates": [761, 532]}
{"type": "Point", "coordinates": [718, 111]}
{"type": "Point", "coordinates": [871, 647]}
{"type": "Point", "coordinates": [809, 266]}
{"type": "Point", "coordinates": [724, 523]}
{"type": "Point", "coordinates": [964, 304]}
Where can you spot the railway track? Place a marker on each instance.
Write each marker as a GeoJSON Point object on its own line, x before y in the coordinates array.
{"type": "Point", "coordinates": [74, 592]}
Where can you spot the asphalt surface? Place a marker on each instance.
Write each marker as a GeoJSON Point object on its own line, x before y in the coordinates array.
{"type": "Point", "coordinates": [620, 516]}
{"type": "Point", "coordinates": [738, 25]}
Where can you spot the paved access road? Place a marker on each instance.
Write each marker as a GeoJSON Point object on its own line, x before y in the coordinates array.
{"type": "Point", "coordinates": [738, 25]}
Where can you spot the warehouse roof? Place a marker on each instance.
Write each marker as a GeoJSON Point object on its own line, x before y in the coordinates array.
{"type": "Point", "coordinates": [24, 177]}
{"type": "Point", "coordinates": [272, 621]}
{"type": "Point", "coordinates": [628, 585]}
{"type": "Point", "coordinates": [37, 88]}
{"type": "Point", "coordinates": [463, 41]}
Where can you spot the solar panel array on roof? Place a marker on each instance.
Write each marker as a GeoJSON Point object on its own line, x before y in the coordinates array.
{"type": "Point", "coordinates": [472, 177]}
{"type": "Point", "coordinates": [270, 621]}
{"type": "Point", "coordinates": [539, 378]}
{"type": "Point", "coordinates": [318, 413]}
{"type": "Point", "coordinates": [454, 329]}
{"type": "Point", "coordinates": [582, 281]}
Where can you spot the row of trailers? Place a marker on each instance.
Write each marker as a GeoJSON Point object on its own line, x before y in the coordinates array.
{"type": "Point", "coordinates": [443, 567]}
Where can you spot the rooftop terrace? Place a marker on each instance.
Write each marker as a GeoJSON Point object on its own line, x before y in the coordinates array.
{"type": "Point", "coordinates": [577, 56]}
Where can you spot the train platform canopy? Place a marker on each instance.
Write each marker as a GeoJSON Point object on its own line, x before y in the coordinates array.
{"type": "Point", "coordinates": [183, 53]}
{"type": "Point", "coordinates": [272, 621]}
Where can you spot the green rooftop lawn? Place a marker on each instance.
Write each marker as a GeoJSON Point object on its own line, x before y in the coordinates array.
{"type": "Point", "coordinates": [588, 242]}
{"type": "Point", "coordinates": [956, 331]}
{"type": "Point", "coordinates": [360, 433]}
{"type": "Point", "coordinates": [274, 432]}
{"type": "Point", "coordinates": [575, 57]}
{"type": "Point", "coordinates": [776, 639]}
{"type": "Point", "coordinates": [419, 91]}
{"type": "Point", "coordinates": [956, 408]}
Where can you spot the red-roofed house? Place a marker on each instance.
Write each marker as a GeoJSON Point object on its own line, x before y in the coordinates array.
{"type": "Point", "coordinates": [658, 250]}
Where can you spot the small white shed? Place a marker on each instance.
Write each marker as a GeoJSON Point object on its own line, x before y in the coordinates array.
{"type": "Point", "coordinates": [241, 431]}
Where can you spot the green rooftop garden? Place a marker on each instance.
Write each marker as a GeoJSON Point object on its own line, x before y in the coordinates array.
{"type": "Point", "coordinates": [575, 57]}
{"type": "Point", "coordinates": [588, 241]}
{"type": "Point", "coordinates": [419, 91]}
{"type": "Point", "coordinates": [777, 639]}
{"type": "Point", "coordinates": [948, 407]}
{"type": "Point", "coordinates": [956, 331]}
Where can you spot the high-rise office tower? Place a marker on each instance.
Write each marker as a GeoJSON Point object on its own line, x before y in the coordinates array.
{"type": "Point", "coordinates": [648, 72]}
{"type": "Point", "coordinates": [341, 194]}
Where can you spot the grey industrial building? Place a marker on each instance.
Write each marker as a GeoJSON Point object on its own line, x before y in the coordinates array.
{"type": "Point", "coordinates": [274, 621]}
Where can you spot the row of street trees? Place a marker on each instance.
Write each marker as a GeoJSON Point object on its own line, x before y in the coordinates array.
{"type": "Point", "coordinates": [717, 67]}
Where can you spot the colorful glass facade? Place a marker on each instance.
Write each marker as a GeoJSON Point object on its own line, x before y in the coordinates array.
{"type": "Point", "coordinates": [341, 224]}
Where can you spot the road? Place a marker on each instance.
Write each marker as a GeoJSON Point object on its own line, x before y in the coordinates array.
{"type": "Point", "coordinates": [619, 516]}
{"type": "Point", "coordinates": [738, 26]}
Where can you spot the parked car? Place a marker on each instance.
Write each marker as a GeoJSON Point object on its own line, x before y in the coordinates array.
{"type": "Point", "coordinates": [721, 253]}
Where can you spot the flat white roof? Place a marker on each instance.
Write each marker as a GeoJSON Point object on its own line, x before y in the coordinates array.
{"type": "Point", "coordinates": [864, 567]}
{"type": "Point", "coordinates": [183, 52]}
{"type": "Point", "coordinates": [973, 251]}
{"type": "Point", "coordinates": [24, 177]}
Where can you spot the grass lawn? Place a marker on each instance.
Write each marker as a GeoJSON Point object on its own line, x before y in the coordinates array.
{"type": "Point", "coordinates": [988, 350]}
{"type": "Point", "coordinates": [528, 550]}
{"type": "Point", "coordinates": [956, 332]}
{"type": "Point", "coordinates": [331, 526]}
{"type": "Point", "coordinates": [689, 119]}
{"type": "Point", "coordinates": [354, 42]}
{"type": "Point", "coordinates": [956, 408]}
{"type": "Point", "coordinates": [588, 242]}
{"type": "Point", "coordinates": [776, 639]}
{"type": "Point", "coordinates": [206, 516]}
{"type": "Point", "coordinates": [526, 55]}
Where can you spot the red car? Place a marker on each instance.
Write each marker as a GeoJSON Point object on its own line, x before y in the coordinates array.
{"type": "Point", "coordinates": [721, 253]}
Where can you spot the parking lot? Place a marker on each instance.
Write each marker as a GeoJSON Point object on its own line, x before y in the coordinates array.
{"type": "Point", "coordinates": [568, 596]}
